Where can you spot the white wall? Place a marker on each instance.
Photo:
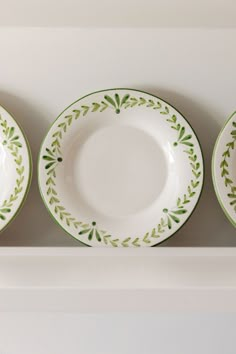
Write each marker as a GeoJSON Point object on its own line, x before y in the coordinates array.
{"type": "Point", "coordinates": [122, 13]}
{"type": "Point", "coordinates": [117, 334]}
{"type": "Point", "coordinates": [43, 70]}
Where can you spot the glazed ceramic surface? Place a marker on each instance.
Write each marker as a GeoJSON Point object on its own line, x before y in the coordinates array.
{"type": "Point", "coordinates": [224, 168]}
{"type": "Point", "coordinates": [15, 168]}
{"type": "Point", "coordinates": [120, 167]}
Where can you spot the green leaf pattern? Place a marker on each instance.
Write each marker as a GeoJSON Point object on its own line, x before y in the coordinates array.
{"type": "Point", "coordinates": [224, 166]}
{"type": "Point", "coordinates": [53, 157]}
{"type": "Point", "coordinates": [12, 141]}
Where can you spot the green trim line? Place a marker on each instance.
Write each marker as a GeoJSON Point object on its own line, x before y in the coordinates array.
{"type": "Point", "coordinates": [224, 167]}
{"type": "Point", "coordinates": [14, 142]}
{"type": "Point", "coordinates": [53, 157]}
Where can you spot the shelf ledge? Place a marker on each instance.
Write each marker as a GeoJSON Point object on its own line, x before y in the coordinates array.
{"type": "Point", "coordinates": [104, 280]}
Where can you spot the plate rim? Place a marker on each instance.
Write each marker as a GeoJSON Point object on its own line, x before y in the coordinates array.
{"type": "Point", "coordinates": [213, 164]}
{"type": "Point", "coordinates": [128, 89]}
{"type": "Point", "coordinates": [30, 174]}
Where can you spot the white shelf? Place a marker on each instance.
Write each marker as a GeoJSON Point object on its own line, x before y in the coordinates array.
{"type": "Point", "coordinates": [123, 13]}
{"type": "Point", "coordinates": [108, 280]}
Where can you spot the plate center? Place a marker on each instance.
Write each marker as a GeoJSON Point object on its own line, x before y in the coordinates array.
{"type": "Point", "coordinates": [120, 170]}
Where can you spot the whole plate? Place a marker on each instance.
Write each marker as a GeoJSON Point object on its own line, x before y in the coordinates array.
{"type": "Point", "coordinates": [15, 168]}
{"type": "Point", "coordinates": [120, 167]}
{"type": "Point", "coordinates": [224, 168]}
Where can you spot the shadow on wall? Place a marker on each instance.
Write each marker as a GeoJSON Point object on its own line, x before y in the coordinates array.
{"type": "Point", "coordinates": [208, 225]}
{"type": "Point", "coordinates": [24, 230]}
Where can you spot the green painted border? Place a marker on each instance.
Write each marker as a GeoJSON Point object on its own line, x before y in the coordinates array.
{"type": "Point", "coordinates": [30, 174]}
{"type": "Point", "coordinates": [128, 89]}
{"type": "Point", "coordinates": [213, 161]}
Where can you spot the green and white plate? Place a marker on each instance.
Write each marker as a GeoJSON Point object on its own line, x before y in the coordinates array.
{"type": "Point", "coordinates": [120, 168]}
{"type": "Point", "coordinates": [15, 168]}
{"type": "Point", "coordinates": [224, 168]}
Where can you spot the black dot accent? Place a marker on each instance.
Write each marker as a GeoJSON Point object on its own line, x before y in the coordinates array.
{"type": "Point", "coordinates": [60, 159]}
{"type": "Point", "coordinates": [94, 223]}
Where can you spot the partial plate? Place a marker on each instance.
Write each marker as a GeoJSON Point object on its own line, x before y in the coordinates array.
{"type": "Point", "coordinates": [224, 168]}
{"type": "Point", "coordinates": [15, 168]}
{"type": "Point", "coordinates": [120, 167]}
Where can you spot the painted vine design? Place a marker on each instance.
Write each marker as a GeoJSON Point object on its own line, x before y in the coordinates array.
{"type": "Point", "coordinates": [53, 157]}
{"type": "Point", "coordinates": [224, 165]}
{"type": "Point", "coordinates": [11, 141]}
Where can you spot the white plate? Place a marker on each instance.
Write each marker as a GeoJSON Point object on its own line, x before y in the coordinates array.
{"type": "Point", "coordinates": [120, 167]}
{"type": "Point", "coordinates": [224, 168]}
{"type": "Point", "coordinates": [15, 168]}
